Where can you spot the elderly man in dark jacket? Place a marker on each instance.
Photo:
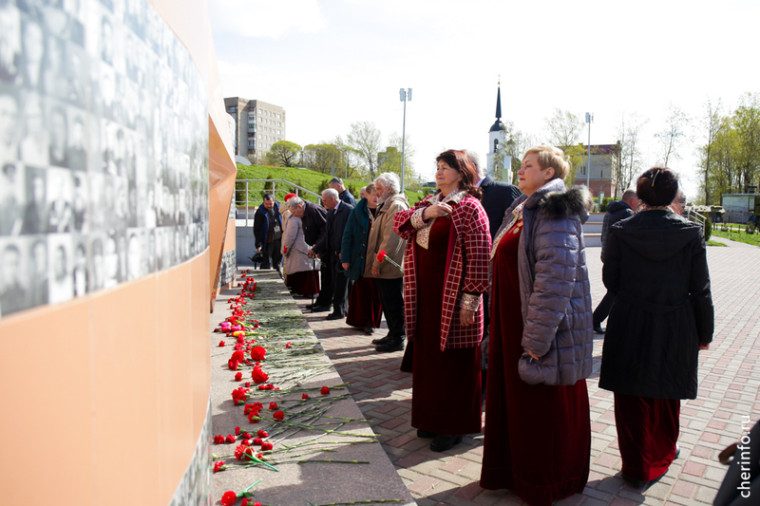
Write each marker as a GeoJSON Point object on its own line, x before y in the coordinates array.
{"type": "Point", "coordinates": [616, 211]}
{"type": "Point", "coordinates": [267, 231]}
{"type": "Point", "coordinates": [344, 195]}
{"type": "Point", "coordinates": [328, 249]}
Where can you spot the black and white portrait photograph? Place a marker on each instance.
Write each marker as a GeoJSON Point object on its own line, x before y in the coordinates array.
{"type": "Point", "coordinates": [60, 263]}
{"type": "Point", "coordinates": [10, 206]}
{"type": "Point", "coordinates": [38, 271]}
{"type": "Point", "coordinates": [35, 202]}
{"type": "Point", "coordinates": [13, 291]}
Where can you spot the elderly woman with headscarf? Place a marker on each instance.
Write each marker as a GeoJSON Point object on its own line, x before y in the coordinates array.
{"type": "Point", "coordinates": [364, 310]}
{"type": "Point", "coordinates": [538, 431]}
{"type": "Point", "coordinates": [445, 275]}
{"type": "Point", "coordinates": [655, 265]}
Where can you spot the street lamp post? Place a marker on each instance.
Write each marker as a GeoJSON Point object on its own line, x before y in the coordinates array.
{"type": "Point", "coordinates": [405, 95]}
{"type": "Point", "coordinates": [589, 119]}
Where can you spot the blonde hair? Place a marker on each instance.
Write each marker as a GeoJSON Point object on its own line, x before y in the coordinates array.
{"type": "Point", "coordinates": [549, 156]}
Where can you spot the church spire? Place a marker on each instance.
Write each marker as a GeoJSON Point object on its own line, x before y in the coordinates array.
{"type": "Point", "coordinates": [498, 102]}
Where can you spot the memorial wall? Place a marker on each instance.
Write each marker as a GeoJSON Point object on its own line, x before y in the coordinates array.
{"type": "Point", "coordinates": [112, 196]}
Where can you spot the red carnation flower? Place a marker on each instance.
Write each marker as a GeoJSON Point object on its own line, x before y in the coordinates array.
{"type": "Point", "coordinates": [221, 343]}
{"type": "Point", "coordinates": [230, 438]}
{"type": "Point", "coordinates": [262, 433]}
{"type": "Point", "coordinates": [219, 466]}
{"type": "Point", "coordinates": [229, 498]}
{"type": "Point", "coordinates": [288, 345]}
{"type": "Point", "coordinates": [258, 375]}
{"type": "Point", "coordinates": [266, 445]}
{"type": "Point", "coordinates": [237, 431]}
{"type": "Point", "coordinates": [232, 364]}
{"type": "Point", "coordinates": [258, 353]}
{"type": "Point", "coordinates": [238, 376]}
{"type": "Point", "coordinates": [381, 256]}
{"type": "Point", "coordinates": [218, 439]}
{"type": "Point", "coordinates": [324, 390]}
{"type": "Point", "coordinates": [247, 384]}
{"type": "Point", "coordinates": [272, 406]}
{"type": "Point", "coordinates": [304, 396]}
{"type": "Point", "coordinates": [278, 415]}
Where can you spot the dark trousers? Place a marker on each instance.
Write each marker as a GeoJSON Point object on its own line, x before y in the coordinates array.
{"type": "Point", "coordinates": [341, 285]}
{"type": "Point", "coordinates": [602, 311]}
{"type": "Point", "coordinates": [272, 255]}
{"type": "Point", "coordinates": [325, 296]}
{"type": "Point", "coordinates": [391, 293]}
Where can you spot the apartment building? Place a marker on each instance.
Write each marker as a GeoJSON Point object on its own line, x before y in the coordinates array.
{"type": "Point", "coordinates": [258, 125]}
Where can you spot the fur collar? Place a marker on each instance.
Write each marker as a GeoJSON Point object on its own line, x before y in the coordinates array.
{"type": "Point", "coordinates": [558, 204]}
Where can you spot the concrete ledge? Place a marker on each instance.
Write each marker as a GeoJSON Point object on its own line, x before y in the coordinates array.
{"type": "Point", "coordinates": [295, 483]}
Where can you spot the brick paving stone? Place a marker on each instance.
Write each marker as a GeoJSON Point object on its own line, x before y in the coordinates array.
{"type": "Point", "coordinates": [729, 389]}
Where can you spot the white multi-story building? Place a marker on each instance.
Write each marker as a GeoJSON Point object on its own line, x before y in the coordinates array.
{"type": "Point", "coordinates": [258, 125]}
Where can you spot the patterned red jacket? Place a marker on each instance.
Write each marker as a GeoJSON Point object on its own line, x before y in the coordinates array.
{"type": "Point", "coordinates": [467, 271]}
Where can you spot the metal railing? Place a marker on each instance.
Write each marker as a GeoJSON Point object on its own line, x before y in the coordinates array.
{"type": "Point", "coordinates": [274, 186]}
{"type": "Point", "coordinates": [694, 216]}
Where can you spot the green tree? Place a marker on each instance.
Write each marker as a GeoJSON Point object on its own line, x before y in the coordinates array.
{"type": "Point", "coordinates": [323, 157]}
{"type": "Point", "coordinates": [283, 153]}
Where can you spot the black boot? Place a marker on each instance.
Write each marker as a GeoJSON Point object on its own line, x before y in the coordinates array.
{"type": "Point", "coordinates": [381, 340]}
{"type": "Point", "coordinates": [393, 344]}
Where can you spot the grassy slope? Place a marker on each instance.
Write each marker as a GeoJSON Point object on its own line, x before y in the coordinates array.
{"type": "Point", "coordinates": [739, 236]}
{"type": "Point", "coordinates": [309, 179]}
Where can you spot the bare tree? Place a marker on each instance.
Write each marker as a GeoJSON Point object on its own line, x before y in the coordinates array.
{"type": "Point", "coordinates": [564, 128]}
{"type": "Point", "coordinates": [630, 161]}
{"type": "Point", "coordinates": [673, 133]}
{"type": "Point", "coordinates": [364, 138]}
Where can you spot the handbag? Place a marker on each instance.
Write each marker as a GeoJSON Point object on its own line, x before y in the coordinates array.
{"type": "Point", "coordinates": [545, 370]}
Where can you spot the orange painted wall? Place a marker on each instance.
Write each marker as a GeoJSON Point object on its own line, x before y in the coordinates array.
{"type": "Point", "coordinates": [104, 397]}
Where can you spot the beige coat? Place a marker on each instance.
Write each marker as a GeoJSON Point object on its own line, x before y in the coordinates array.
{"type": "Point", "coordinates": [383, 238]}
{"type": "Point", "coordinates": [295, 257]}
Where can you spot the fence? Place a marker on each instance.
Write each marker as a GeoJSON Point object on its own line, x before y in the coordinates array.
{"type": "Point", "coordinates": [249, 194]}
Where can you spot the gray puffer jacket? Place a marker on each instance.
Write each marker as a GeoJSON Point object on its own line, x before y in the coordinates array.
{"type": "Point", "coordinates": [554, 286]}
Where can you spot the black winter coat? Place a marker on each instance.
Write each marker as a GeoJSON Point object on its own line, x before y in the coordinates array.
{"type": "Point", "coordinates": [616, 211]}
{"type": "Point", "coordinates": [656, 269]}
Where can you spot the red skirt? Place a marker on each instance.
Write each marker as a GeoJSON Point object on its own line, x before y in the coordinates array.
{"type": "Point", "coordinates": [446, 388]}
{"type": "Point", "coordinates": [647, 434]}
{"type": "Point", "coordinates": [364, 309]}
{"type": "Point", "coordinates": [537, 437]}
{"type": "Point", "coordinates": [304, 283]}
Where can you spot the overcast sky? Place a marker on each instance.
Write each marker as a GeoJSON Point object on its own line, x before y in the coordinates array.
{"type": "Point", "coordinates": [333, 62]}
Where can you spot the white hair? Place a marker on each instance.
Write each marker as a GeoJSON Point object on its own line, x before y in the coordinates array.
{"type": "Point", "coordinates": [330, 192]}
{"type": "Point", "coordinates": [294, 202]}
{"type": "Point", "coordinates": [390, 180]}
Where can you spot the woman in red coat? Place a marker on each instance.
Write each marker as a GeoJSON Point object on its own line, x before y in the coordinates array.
{"type": "Point", "coordinates": [448, 234]}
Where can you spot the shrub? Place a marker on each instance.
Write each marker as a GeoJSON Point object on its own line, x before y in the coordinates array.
{"type": "Point", "coordinates": [708, 228]}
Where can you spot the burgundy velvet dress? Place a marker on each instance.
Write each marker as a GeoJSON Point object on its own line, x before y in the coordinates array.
{"type": "Point", "coordinates": [304, 283]}
{"type": "Point", "coordinates": [446, 387]}
{"type": "Point", "coordinates": [537, 437]}
{"type": "Point", "coordinates": [364, 308]}
{"type": "Point", "coordinates": [647, 434]}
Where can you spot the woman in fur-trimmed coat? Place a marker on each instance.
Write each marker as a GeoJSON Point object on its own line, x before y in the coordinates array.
{"type": "Point", "coordinates": [538, 432]}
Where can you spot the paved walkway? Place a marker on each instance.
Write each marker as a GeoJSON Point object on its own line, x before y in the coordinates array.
{"type": "Point", "coordinates": [729, 378]}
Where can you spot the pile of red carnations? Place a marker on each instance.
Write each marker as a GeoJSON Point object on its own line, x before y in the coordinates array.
{"type": "Point", "coordinates": [252, 446]}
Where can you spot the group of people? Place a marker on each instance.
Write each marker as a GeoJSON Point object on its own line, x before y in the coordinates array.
{"type": "Point", "coordinates": [482, 262]}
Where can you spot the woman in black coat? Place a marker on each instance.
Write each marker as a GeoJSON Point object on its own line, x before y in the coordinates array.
{"type": "Point", "coordinates": [656, 266]}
